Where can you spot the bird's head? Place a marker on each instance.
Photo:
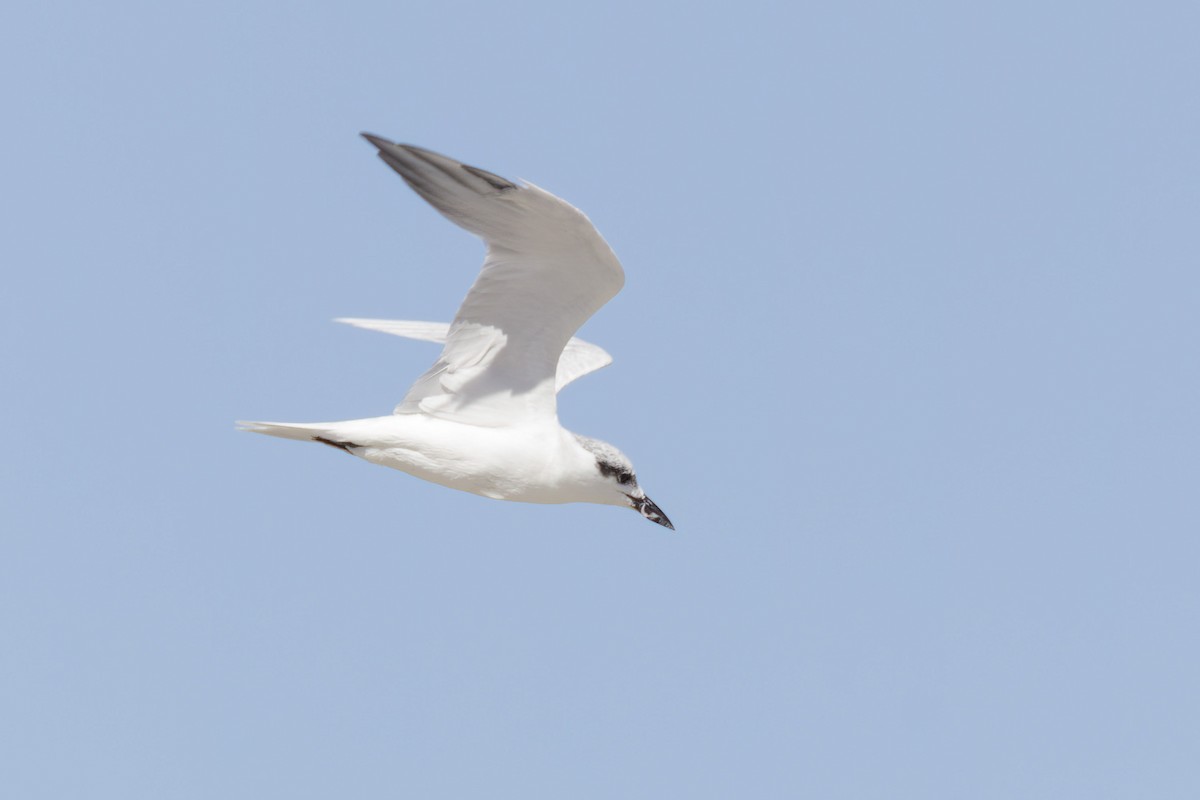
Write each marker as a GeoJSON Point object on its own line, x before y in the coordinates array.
{"type": "Point", "coordinates": [617, 482]}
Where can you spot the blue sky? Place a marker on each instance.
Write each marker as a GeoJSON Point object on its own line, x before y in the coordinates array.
{"type": "Point", "coordinates": [907, 351]}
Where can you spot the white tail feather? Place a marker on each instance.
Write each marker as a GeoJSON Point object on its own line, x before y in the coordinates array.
{"type": "Point", "coordinates": [286, 430]}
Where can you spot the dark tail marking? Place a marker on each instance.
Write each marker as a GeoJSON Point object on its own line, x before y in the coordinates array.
{"type": "Point", "coordinates": [344, 446]}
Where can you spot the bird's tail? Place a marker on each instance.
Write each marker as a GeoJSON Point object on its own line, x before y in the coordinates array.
{"type": "Point", "coordinates": [330, 433]}
{"type": "Point", "coordinates": [306, 432]}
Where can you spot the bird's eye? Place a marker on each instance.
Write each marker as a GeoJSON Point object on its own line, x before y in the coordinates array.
{"type": "Point", "coordinates": [624, 478]}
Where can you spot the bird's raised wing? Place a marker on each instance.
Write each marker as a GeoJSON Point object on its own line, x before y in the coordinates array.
{"type": "Point", "coordinates": [578, 357]}
{"type": "Point", "coordinates": [545, 272]}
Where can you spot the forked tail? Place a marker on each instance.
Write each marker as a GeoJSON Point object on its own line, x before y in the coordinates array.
{"type": "Point", "coordinates": [305, 432]}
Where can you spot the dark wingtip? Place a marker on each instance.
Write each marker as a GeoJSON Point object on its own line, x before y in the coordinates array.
{"type": "Point", "coordinates": [343, 446]}
{"type": "Point", "coordinates": [378, 141]}
{"type": "Point", "coordinates": [490, 178]}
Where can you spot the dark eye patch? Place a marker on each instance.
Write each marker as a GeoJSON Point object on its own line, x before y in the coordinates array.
{"type": "Point", "coordinates": [623, 476]}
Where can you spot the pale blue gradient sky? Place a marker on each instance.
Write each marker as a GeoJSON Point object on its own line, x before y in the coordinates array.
{"type": "Point", "coordinates": [907, 350]}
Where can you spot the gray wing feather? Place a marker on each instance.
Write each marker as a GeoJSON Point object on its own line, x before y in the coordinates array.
{"type": "Point", "coordinates": [578, 358]}
{"type": "Point", "coordinates": [546, 271]}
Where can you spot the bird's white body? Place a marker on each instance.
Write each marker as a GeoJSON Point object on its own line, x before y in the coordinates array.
{"type": "Point", "coordinates": [484, 417]}
{"type": "Point", "coordinates": [533, 463]}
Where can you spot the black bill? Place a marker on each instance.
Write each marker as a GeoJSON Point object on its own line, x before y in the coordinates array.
{"type": "Point", "coordinates": [646, 507]}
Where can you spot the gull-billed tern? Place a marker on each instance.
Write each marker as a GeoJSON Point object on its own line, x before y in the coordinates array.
{"type": "Point", "coordinates": [484, 417]}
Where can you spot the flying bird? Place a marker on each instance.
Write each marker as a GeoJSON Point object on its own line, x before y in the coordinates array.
{"type": "Point", "coordinates": [484, 417]}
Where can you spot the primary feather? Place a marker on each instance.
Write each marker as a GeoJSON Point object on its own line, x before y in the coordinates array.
{"type": "Point", "coordinates": [546, 271]}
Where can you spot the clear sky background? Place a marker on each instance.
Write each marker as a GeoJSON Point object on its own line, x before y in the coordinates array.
{"type": "Point", "coordinates": [907, 351]}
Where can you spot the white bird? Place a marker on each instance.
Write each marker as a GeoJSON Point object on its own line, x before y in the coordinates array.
{"type": "Point", "coordinates": [484, 417]}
